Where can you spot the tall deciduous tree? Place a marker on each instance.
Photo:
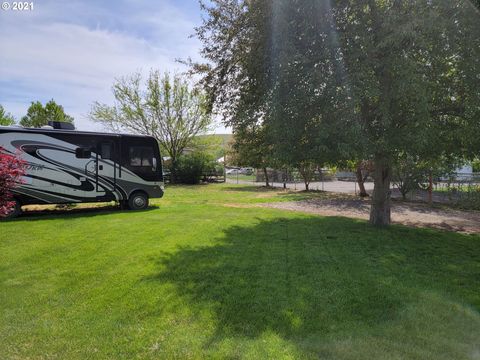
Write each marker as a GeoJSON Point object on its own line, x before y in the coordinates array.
{"type": "Point", "coordinates": [39, 115]}
{"type": "Point", "coordinates": [166, 108]}
{"type": "Point", "coordinates": [411, 69]}
{"type": "Point", "coordinates": [251, 147]}
{"type": "Point", "coordinates": [385, 77]}
{"type": "Point", "coordinates": [6, 118]}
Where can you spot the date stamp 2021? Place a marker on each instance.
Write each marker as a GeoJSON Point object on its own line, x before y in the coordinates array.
{"type": "Point", "coordinates": [17, 6]}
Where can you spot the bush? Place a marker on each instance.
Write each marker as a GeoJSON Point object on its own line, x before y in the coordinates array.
{"type": "Point", "coordinates": [12, 168]}
{"type": "Point", "coordinates": [476, 165]}
{"type": "Point", "coordinates": [213, 171]}
{"type": "Point", "coordinates": [190, 168]}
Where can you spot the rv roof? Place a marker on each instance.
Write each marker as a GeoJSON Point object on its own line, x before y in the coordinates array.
{"type": "Point", "coordinates": [57, 131]}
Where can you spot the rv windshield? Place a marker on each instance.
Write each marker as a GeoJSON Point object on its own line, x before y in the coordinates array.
{"type": "Point", "coordinates": [140, 155]}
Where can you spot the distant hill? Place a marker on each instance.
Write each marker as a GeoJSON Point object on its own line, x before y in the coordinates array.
{"type": "Point", "coordinates": [215, 144]}
{"type": "Point", "coordinates": [226, 138]}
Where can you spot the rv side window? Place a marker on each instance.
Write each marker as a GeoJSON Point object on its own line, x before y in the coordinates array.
{"type": "Point", "coordinates": [82, 153]}
{"type": "Point", "coordinates": [141, 156]}
{"type": "Point", "coordinates": [106, 151]}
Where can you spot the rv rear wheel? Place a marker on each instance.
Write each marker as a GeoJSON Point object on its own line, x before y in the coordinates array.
{"type": "Point", "coordinates": [16, 210]}
{"type": "Point", "coordinates": [138, 201]}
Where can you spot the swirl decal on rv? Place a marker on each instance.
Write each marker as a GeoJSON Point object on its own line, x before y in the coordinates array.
{"type": "Point", "coordinates": [55, 166]}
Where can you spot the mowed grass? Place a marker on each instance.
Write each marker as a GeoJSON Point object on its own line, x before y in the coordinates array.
{"type": "Point", "coordinates": [242, 177]}
{"type": "Point", "coordinates": [206, 273]}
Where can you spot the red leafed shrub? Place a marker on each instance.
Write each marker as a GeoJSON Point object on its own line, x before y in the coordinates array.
{"type": "Point", "coordinates": [12, 168]}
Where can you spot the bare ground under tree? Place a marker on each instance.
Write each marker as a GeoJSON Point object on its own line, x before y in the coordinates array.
{"type": "Point", "coordinates": [410, 214]}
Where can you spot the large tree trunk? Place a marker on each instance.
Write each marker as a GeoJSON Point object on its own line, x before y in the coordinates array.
{"type": "Point", "coordinates": [173, 172]}
{"type": "Point", "coordinates": [265, 172]}
{"type": "Point", "coordinates": [380, 209]}
{"type": "Point", "coordinates": [360, 180]}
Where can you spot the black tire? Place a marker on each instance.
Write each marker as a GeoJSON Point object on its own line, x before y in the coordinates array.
{"type": "Point", "coordinates": [138, 201]}
{"type": "Point", "coordinates": [16, 210]}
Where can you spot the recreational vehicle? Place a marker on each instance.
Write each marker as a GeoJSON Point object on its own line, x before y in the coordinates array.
{"type": "Point", "coordinates": [67, 166]}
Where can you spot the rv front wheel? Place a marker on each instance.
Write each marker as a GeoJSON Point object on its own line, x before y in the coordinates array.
{"type": "Point", "coordinates": [138, 201]}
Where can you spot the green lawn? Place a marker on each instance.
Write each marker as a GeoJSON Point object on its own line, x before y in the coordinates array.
{"type": "Point", "coordinates": [206, 273]}
{"type": "Point", "coordinates": [457, 188]}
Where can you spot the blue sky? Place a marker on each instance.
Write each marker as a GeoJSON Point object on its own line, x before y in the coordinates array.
{"type": "Point", "coordinates": [72, 50]}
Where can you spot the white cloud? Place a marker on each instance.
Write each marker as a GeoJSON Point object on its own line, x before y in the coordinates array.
{"type": "Point", "coordinates": [43, 56]}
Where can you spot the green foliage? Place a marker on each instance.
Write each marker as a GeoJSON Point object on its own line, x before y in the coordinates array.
{"type": "Point", "coordinates": [6, 118]}
{"type": "Point", "coordinates": [38, 115]}
{"type": "Point", "coordinates": [251, 147]}
{"type": "Point", "coordinates": [190, 168]}
{"type": "Point", "coordinates": [411, 174]}
{"type": "Point", "coordinates": [214, 145]}
{"type": "Point", "coordinates": [476, 165]}
{"type": "Point", "coordinates": [215, 169]}
{"type": "Point", "coordinates": [35, 117]}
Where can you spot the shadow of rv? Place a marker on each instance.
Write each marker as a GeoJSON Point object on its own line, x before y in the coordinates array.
{"type": "Point", "coordinates": [38, 213]}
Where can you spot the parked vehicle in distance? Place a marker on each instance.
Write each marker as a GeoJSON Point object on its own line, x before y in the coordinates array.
{"type": "Point", "coordinates": [239, 171]}
{"type": "Point", "coordinates": [246, 171]}
{"type": "Point", "coordinates": [68, 166]}
{"type": "Point", "coordinates": [234, 171]}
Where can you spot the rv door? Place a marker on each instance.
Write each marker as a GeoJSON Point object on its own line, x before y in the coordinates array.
{"type": "Point", "coordinates": [91, 173]}
{"type": "Point", "coordinates": [107, 167]}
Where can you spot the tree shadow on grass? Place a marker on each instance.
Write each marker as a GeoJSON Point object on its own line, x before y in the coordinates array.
{"type": "Point", "coordinates": [318, 276]}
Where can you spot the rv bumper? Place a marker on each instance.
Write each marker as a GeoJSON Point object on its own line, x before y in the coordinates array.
{"type": "Point", "coordinates": [156, 191]}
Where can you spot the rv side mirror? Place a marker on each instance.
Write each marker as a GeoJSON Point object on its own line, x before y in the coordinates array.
{"type": "Point", "coordinates": [82, 153]}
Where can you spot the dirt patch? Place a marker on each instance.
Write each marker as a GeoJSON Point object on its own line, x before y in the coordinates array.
{"type": "Point", "coordinates": [240, 206]}
{"type": "Point", "coordinates": [410, 214]}
{"type": "Point", "coordinates": [266, 195]}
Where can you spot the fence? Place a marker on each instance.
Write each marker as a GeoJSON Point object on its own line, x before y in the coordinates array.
{"type": "Point", "coordinates": [462, 190]}
{"type": "Point", "coordinates": [209, 176]}
{"type": "Point", "coordinates": [322, 180]}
